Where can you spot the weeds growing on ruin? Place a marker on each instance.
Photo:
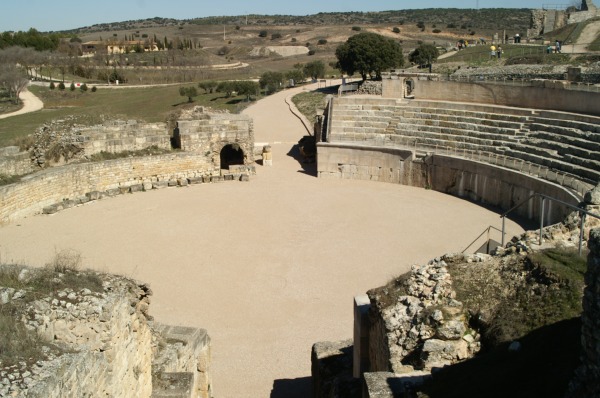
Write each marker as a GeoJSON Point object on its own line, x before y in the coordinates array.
{"type": "Point", "coordinates": [17, 343]}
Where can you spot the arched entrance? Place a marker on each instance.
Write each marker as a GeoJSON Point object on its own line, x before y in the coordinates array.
{"type": "Point", "coordinates": [409, 86]}
{"type": "Point", "coordinates": [231, 154]}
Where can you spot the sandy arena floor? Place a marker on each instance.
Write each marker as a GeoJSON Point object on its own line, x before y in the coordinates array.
{"type": "Point", "coordinates": [268, 267]}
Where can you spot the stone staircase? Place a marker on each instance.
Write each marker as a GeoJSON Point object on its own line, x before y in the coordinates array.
{"type": "Point", "coordinates": [563, 143]}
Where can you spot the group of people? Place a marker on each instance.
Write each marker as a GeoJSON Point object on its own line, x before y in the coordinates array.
{"type": "Point", "coordinates": [556, 48]}
{"type": "Point", "coordinates": [496, 52]}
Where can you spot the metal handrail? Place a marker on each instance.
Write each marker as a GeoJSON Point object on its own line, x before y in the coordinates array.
{"type": "Point", "coordinates": [328, 127]}
{"type": "Point", "coordinates": [486, 230]}
{"type": "Point", "coordinates": [583, 213]}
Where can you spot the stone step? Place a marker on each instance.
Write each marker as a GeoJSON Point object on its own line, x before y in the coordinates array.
{"type": "Point", "coordinates": [567, 140]}
{"type": "Point", "coordinates": [563, 149]}
{"type": "Point", "coordinates": [459, 126]}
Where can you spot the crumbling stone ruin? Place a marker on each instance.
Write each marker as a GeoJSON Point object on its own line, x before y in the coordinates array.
{"type": "Point", "coordinates": [423, 320]}
{"type": "Point", "coordinates": [214, 147]}
{"type": "Point", "coordinates": [99, 341]}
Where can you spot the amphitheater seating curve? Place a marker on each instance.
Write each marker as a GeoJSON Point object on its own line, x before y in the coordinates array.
{"type": "Point", "coordinates": [558, 141]}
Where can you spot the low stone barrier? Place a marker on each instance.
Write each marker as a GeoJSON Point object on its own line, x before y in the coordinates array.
{"type": "Point", "coordinates": [78, 183]}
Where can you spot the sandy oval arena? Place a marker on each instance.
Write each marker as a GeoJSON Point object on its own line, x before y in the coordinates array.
{"type": "Point", "coordinates": [268, 267]}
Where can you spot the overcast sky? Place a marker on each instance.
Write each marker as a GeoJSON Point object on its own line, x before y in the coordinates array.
{"type": "Point", "coordinates": [53, 15]}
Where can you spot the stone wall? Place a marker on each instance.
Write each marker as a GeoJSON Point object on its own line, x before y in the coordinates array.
{"type": "Point", "coordinates": [14, 162]}
{"type": "Point", "coordinates": [587, 378]}
{"type": "Point", "coordinates": [208, 133]}
{"type": "Point", "coordinates": [108, 345]}
{"type": "Point", "coordinates": [364, 162]}
{"type": "Point", "coordinates": [476, 181]}
{"type": "Point", "coordinates": [71, 182]}
{"type": "Point", "coordinates": [586, 102]}
{"type": "Point", "coordinates": [118, 136]}
{"type": "Point", "coordinates": [497, 186]}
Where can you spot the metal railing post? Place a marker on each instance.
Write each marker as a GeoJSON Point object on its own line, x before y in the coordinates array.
{"type": "Point", "coordinates": [503, 230]}
{"type": "Point", "coordinates": [542, 203]}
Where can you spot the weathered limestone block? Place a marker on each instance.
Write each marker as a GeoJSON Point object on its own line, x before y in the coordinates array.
{"type": "Point", "coordinates": [94, 195]}
{"type": "Point", "coordinates": [160, 184]}
{"type": "Point", "coordinates": [187, 350]}
{"type": "Point", "coordinates": [592, 197]}
{"type": "Point", "coordinates": [136, 188]}
{"type": "Point", "coordinates": [390, 385]}
{"type": "Point", "coordinates": [331, 370]}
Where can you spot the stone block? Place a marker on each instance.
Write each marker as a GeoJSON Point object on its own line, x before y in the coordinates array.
{"type": "Point", "coordinates": [160, 184]}
{"type": "Point", "coordinates": [195, 180]}
{"type": "Point", "coordinates": [245, 177]}
{"type": "Point", "coordinates": [172, 183]}
{"type": "Point", "coordinates": [124, 189]}
{"type": "Point", "coordinates": [206, 179]}
{"type": "Point", "coordinates": [67, 203]}
{"type": "Point", "coordinates": [228, 177]}
{"type": "Point", "coordinates": [268, 162]}
{"type": "Point", "coordinates": [112, 192]}
{"type": "Point", "coordinates": [136, 188]}
{"type": "Point", "coordinates": [216, 179]}
{"type": "Point", "coordinates": [182, 182]}
{"type": "Point", "coordinates": [51, 209]}
{"type": "Point", "coordinates": [82, 199]}
{"type": "Point", "coordinates": [93, 195]}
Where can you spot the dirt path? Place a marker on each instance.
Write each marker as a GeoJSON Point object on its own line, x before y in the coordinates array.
{"type": "Point", "coordinates": [31, 103]}
{"type": "Point", "coordinates": [587, 36]}
{"type": "Point", "coordinates": [268, 267]}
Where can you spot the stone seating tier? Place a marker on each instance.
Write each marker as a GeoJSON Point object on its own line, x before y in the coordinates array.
{"type": "Point", "coordinates": [548, 141]}
{"type": "Point", "coordinates": [566, 142]}
{"type": "Point", "coordinates": [568, 135]}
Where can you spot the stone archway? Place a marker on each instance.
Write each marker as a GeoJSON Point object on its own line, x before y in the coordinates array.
{"type": "Point", "coordinates": [409, 87]}
{"type": "Point", "coordinates": [231, 154]}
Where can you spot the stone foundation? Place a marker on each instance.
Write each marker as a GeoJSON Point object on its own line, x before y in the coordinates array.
{"type": "Point", "coordinates": [110, 347]}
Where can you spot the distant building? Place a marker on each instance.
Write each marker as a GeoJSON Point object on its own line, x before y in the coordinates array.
{"type": "Point", "coordinates": [117, 47]}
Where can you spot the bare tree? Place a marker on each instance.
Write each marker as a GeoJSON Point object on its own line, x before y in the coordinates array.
{"type": "Point", "coordinates": [11, 78]}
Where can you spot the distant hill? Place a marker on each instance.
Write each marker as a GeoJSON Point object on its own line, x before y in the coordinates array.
{"type": "Point", "coordinates": [488, 18]}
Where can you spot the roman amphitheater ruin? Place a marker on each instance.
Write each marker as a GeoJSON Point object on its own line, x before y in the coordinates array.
{"type": "Point", "coordinates": [269, 262]}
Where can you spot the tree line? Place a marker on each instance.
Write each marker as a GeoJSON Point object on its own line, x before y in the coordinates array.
{"type": "Point", "coordinates": [32, 38]}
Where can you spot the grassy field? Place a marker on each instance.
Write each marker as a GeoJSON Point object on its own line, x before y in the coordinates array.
{"type": "Point", "coordinates": [152, 104]}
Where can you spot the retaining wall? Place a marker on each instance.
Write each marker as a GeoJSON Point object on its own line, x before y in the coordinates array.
{"type": "Point", "coordinates": [56, 184]}
{"type": "Point", "coordinates": [554, 97]}
{"type": "Point", "coordinates": [14, 162]}
{"type": "Point", "coordinates": [476, 181]}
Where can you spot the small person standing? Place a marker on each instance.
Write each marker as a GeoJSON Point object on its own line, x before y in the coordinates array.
{"type": "Point", "coordinates": [557, 46]}
{"type": "Point", "coordinates": [499, 52]}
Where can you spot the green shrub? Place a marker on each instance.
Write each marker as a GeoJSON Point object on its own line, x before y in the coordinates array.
{"type": "Point", "coordinates": [356, 28]}
{"type": "Point", "coordinates": [94, 89]}
{"type": "Point", "coordinates": [83, 87]}
{"type": "Point", "coordinates": [276, 36]}
{"type": "Point", "coordinates": [396, 30]}
{"type": "Point", "coordinates": [322, 41]}
{"type": "Point", "coordinates": [61, 86]}
{"type": "Point", "coordinates": [52, 86]}
{"type": "Point", "coordinates": [72, 86]}
{"type": "Point", "coordinates": [263, 33]}
{"type": "Point", "coordinates": [436, 31]}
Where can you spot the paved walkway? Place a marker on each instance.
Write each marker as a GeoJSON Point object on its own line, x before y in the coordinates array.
{"type": "Point", "coordinates": [31, 103]}
{"type": "Point", "coordinates": [268, 267]}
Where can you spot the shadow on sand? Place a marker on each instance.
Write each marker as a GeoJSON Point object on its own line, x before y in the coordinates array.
{"type": "Point", "coordinates": [308, 165]}
{"type": "Point", "coordinates": [292, 388]}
